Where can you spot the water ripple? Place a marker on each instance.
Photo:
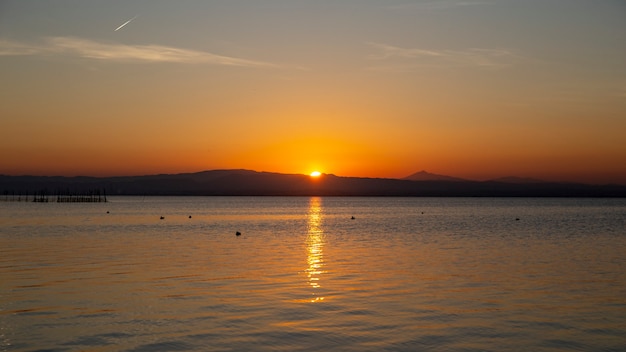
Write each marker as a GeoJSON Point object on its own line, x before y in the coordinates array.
{"type": "Point", "coordinates": [304, 276]}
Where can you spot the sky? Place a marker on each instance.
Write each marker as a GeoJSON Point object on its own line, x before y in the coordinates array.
{"type": "Point", "coordinates": [478, 89]}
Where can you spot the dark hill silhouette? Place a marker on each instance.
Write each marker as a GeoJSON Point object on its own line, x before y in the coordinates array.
{"type": "Point", "coordinates": [515, 179]}
{"type": "Point", "coordinates": [427, 176]}
{"type": "Point", "coordinates": [253, 183]}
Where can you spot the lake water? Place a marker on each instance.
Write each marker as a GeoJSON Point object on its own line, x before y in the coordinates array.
{"type": "Point", "coordinates": [406, 274]}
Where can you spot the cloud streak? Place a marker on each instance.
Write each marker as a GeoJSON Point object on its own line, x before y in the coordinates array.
{"type": "Point", "coordinates": [412, 58]}
{"type": "Point", "coordinates": [11, 48]}
{"type": "Point", "coordinates": [115, 52]}
{"type": "Point", "coordinates": [435, 5]}
{"type": "Point", "coordinates": [125, 23]}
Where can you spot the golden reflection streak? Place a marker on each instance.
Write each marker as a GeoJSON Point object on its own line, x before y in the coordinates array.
{"type": "Point", "coordinates": [315, 247]}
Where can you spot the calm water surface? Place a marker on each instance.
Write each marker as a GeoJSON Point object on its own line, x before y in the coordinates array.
{"type": "Point", "coordinates": [406, 274]}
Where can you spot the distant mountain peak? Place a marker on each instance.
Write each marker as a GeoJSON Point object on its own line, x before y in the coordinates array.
{"type": "Point", "coordinates": [427, 176]}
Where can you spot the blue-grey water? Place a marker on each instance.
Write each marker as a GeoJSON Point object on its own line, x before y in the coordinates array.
{"type": "Point", "coordinates": [406, 274]}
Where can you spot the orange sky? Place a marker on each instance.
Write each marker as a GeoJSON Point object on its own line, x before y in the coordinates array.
{"type": "Point", "coordinates": [469, 89]}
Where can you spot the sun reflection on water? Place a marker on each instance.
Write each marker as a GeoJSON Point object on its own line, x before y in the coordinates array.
{"type": "Point", "coordinates": [315, 247]}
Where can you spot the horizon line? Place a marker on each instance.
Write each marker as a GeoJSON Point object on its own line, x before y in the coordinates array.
{"type": "Point", "coordinates": [521, 179]}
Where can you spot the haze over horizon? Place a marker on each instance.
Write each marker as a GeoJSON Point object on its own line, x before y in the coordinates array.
{"type": "Point", "coordinates": [422, 175]}
{"type": "Point", "coordinates": [471, 89]}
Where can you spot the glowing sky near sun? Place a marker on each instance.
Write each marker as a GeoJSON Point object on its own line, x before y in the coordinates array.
{"type": "Point", "coordinates": [473, 89]}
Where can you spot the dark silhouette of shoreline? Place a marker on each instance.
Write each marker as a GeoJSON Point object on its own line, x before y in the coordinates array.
{"type": "Point", "coordinates": [253, 183]}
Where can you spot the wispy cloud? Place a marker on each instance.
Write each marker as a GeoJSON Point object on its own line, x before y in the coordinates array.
{"type": "Point", "coordinates": [434, 5]}
{"type": "Point", "coordinates": [11, 48]}
{"type": "Point", "coordinates": [116, 52]}
{"type": "Point", "coordinates": [413, 58]}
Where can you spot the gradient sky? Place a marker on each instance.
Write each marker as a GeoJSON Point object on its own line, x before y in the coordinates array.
{"type": "Point", "coordinates": [469, 88]}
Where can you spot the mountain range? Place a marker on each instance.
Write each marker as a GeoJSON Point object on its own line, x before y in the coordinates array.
{"type": "Point", "coordinates": [427, 176]}
{"type": "Point", "coordinates": [254, 183]}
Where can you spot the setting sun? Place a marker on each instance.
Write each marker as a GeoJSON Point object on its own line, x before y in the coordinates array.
{"type": "Point", "coordinates": [316, 174]}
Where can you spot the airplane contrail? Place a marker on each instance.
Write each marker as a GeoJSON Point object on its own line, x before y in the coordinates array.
{"type": "Point", "coordinates": [125, 23]}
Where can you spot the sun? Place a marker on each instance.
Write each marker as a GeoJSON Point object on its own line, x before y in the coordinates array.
{"type": "Point", "coordinates": [316, 174]}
